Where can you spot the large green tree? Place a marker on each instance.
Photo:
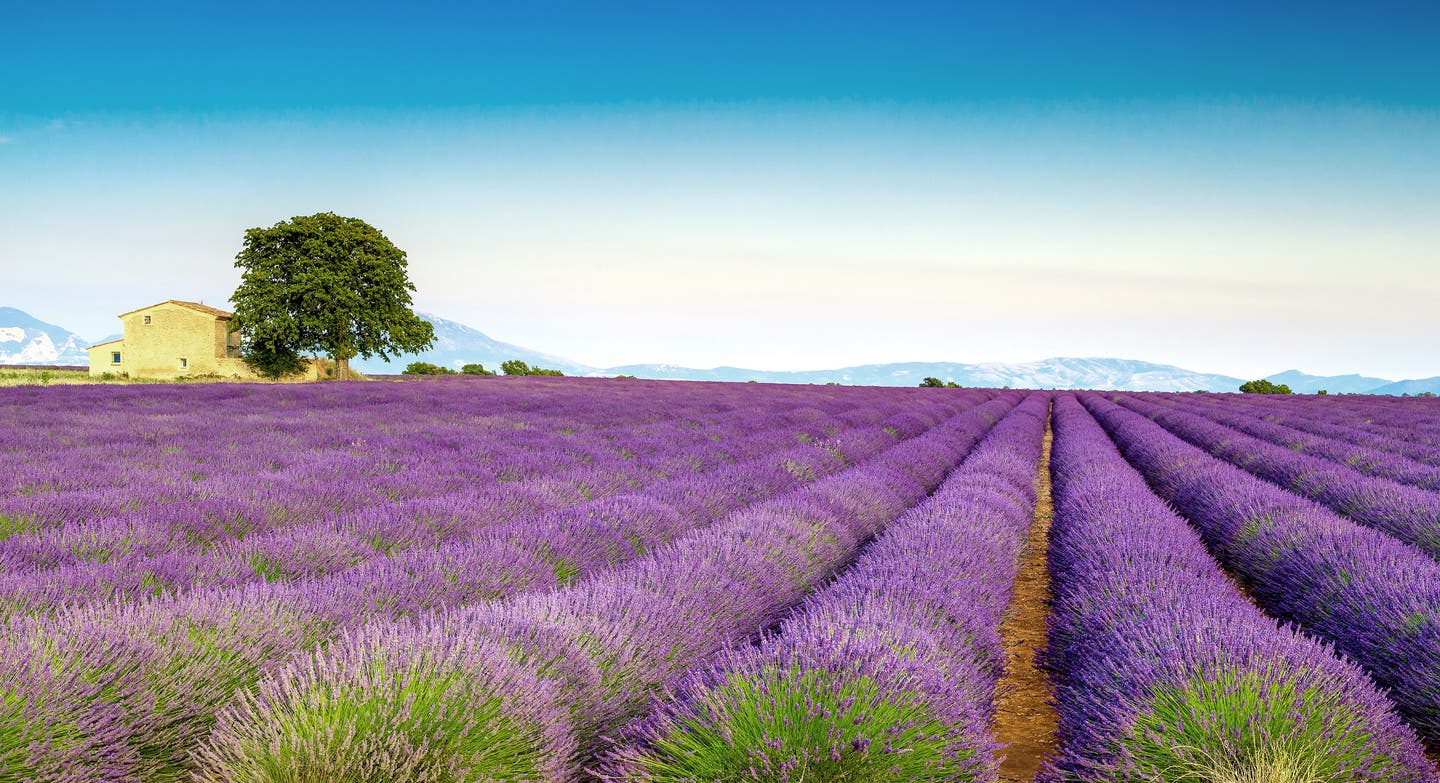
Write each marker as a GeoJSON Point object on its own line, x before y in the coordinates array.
{"type": "Point", "coordinates": [324, 284]}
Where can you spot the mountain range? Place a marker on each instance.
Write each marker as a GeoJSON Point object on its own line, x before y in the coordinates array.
{"type": "Point", "coordinates": [457, 344]}
{"type": "Point", "coordinates": [28, 340]}
{"type": "Point", "coordinates": [1055, 373]}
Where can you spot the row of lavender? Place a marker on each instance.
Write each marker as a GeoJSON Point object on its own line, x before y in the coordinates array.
{"type": "Point", "coordinates": [887, 674]}
{"type": "Point", "coordinates": [241, 444]}
{"type": "Point", "coordinates": [266, 459]}
{"type": "Point", "coordinates": [1415, 421]}
{"type": "Point", "coordinates": [1371, 595]}
{"type": "Point", "coordinates": [1377, 600]}
{"type": "Point", "coordinates": [1407, 427]}
{"type": "Point", "coordinates": [1371, 455]}
{"type": "Point", "coordinates": [375, 669]}
{"type": "Point", "coordinates": [1409, 513]}
{"type": "Point", "coordinates": [527, 689]}
{"type": "Point", "coordinates": [136, 684]}
{"type": "Point", "coordinates": [152, 546]}
{"type": "Point", "coordinates": [1164, 670]}
{"type": "Point", "coordinates": [1206, 689]}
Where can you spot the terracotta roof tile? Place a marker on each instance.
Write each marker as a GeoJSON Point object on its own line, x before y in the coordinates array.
{"type": "Point", "coordinates": [215, 311]}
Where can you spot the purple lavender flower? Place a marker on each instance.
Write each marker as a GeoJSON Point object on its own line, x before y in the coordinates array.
{"type": "Point", "coordinates": [1370, 595]}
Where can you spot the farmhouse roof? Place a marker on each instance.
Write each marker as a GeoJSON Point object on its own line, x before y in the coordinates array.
{"type": "Point", "coordinates": [215, 311]}
{"type": "Point", "coordinates": [107, 342]}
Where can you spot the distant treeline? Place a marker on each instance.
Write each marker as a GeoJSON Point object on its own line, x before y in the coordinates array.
{"type": "Point", "coordinates": [508, 367]}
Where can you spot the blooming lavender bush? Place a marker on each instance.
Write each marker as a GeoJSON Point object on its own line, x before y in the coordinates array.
{"type": "Point", "coordinates": [1409, 513]}
{"type": "Point", "coordinates": [161, 669]}
{"type": "Point", "coordinates": [552, 579]}
{"type": "Point", "coordinates": [1338, 446]}
{"type": "Point", "coordinates": [184, 656]}
{"type": "Point", "coordinates": [1166, 672]}
{"type": "Point", "coordinates": [1361, 431]}
{"type": "Point", "coordinates": [404, 698]}
{"type": "Point", "coordinates": [888, 674]}
{"type": "Point", "coordinates": [1375, 598]}
{"type": "Point", "coordinates": [55, 724]}
{"type": "Point", "coordinates": [335, 541]}
{"type": "Point", "coordinates": [612, 641]}
{"type": "Point", "coordinates": [1414, 424]}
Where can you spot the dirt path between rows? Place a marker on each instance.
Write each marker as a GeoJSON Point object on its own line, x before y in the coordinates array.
{"type": "Point", "coordinates": [1024, 717]}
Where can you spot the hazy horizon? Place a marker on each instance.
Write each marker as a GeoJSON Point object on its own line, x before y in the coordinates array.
{"type": "Point", "coordinates": [1227, 189]}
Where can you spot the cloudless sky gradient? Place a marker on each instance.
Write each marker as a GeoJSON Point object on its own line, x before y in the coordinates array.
{"type": "Point", "coordinates": [1231, 187]}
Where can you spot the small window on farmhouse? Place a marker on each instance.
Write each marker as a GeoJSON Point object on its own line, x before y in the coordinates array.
{"type": "Point", "coordinates": [114, 357]}
{"type": "Point", "coordinates": [183, 363]}
{"type": "Point", "coordinates": [147, 319]}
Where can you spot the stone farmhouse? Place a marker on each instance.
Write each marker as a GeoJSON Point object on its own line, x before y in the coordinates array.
{"type": "Point", "coordinates": [173, 339]}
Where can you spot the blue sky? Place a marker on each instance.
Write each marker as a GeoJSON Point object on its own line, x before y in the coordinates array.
{"type": "Point", "coordinates": [1221, 186]}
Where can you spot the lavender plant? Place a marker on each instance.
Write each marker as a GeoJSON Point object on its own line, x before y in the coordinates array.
{"type": "Point", "coordinates": [889, 674]}
{"type": "Point", "coordinates": [1165, 671]}
{"type": "Point", "coordinates": [1408, 513]}
{"type": "Point", "coordinates": [612, 641]}
{"type": "Point", "coordinates": [1368, 459]}
{"type": "Point", "coordinates": [1376, 599]}
{"type": "Point", "coordinates": [177, 674]}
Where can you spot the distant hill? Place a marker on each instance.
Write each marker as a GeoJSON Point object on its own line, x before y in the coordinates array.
{"type": "Point", "coordinates": [1303, 383]}
{"type": "Point", "coordinates": [1056, 373]}
{"type": "Point", "coordinates": [1413, 387]}
{"type": "Point", "coordinates": [25, 339]}
{"type": "Point", "coordinates": [457, 344]}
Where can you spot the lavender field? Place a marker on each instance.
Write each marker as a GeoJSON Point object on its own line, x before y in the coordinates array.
{"type": "Point", "coordinates": [569, 579]}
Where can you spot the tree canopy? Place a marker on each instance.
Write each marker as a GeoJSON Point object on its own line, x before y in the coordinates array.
{"type": "Point", "coordinates": [1263, 386]}
{"type": "Point", "coordinates": [518, 367]}
{"type": "Point", "coordinates": [427, 368]}
{"type": "Point", "coordinates": [324, 284]}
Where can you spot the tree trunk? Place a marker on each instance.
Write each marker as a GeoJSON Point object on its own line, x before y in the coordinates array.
{"type": "Point", "coordinates": [342, 369]}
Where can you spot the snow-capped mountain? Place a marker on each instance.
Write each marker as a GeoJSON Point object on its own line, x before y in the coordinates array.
{"type": "Point", "coordinates": [25, 339]}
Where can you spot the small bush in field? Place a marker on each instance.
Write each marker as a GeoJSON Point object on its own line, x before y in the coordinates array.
{"type": "Point", "coordinates": [426, 368]}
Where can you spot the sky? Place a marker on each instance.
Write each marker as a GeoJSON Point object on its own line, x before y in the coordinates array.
{"type": "Point", "coordinates": [1229, 187]}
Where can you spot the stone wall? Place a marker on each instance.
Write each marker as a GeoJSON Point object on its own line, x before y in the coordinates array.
{"type": "Point", "coordinates": [170, 340]}
{"type": "Point", "coordinates": [101, 355]}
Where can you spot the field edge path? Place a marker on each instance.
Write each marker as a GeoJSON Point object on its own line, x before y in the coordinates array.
{"type": "Point", "coordinates": [1025, 717]}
